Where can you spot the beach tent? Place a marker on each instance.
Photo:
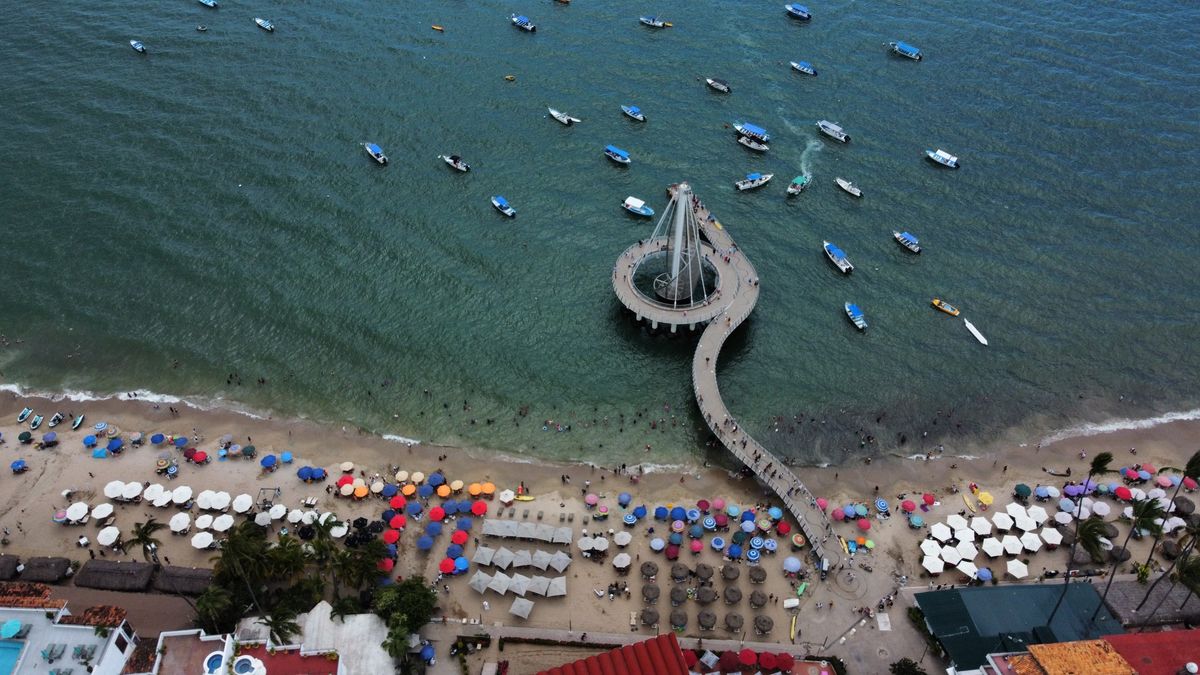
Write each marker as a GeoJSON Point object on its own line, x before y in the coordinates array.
{"type": "Point", "coordinates": [540, 559]}
{"type": "Point", "coordinates": [499, 583]}
{"type": "Point", "coordinates": [479, 582]}
{"type": "Point", "coordinates": [521, 558]}
{"type": "Point", "coordinates": [560, 561]}
{"type": "Point", "coordinates": [521, 607]}
{"type": "Point", "coordinates": [503, 558]}
{"type": "Point", "coordinates": [539, 585]}
{"type": "Point", "coordinates": [558, 587]}
{"type": "Point", "coordinates": [518, 584]}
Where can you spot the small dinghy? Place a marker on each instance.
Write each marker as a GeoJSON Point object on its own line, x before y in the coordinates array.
{"type": "Point", "coordinates": [77, 422]}
{"type": "Point", "coordinates": [856, 316]}
{"type": "Point", "coordinates": [838, 257]}
{"type": "Point", "coordinates": [797, 185]}
{"type": "Point", "coordinates": [617, 155]}
{"type": "Point", "coordinates": [907, 240]}
{"type": "Point", "coordinates": [804, 67]}
{"type": "Point", "coordinates": [975, 331]}
{"type": "Point", "coordinates": [753, 144]}
{"type": "Point", "coordinates": [753, 180]}
{"type": "Point", "coordinates": [523, 23]}
{"type": "Point", "coordinates": [943, 306]}
{"type": "Point", "coordinates": [440, 29]}
{"type": "Point", "coordinates": [376, 153]}
{"type": "Point", "coordinates": [849, 187]}
{"type": "Point", "coordinates": [265, 25]}
{"type": "Point", "coordinates": [502, 206]}
{"type": "Point", "coordinates": [637, 207]}
{"type": "Point", "coordinates": [37, 422]}
{"type": "Point", "coordinates": [455, 162]}
{"type": "Point", "coordinates": [563, 117]}
{"type": "Point", "coordinates": [208, 3]}
{"type": "Point", "coordinates": [719, 85]}
{"type": "Point", "coordinates": [25, 413]}
{"type": "Point", "coordinates": [756, 132]}
{"type": "Point", "coordinates": [654, 22]}
{"type": "Point", "coordinates": [55, 420]}
{"type": "Point", "coordinates": [834, 131]}
{"type": "Point", "coordinates": [201, 28]}
{"type": "Point", "coordinates": [798, 11]}
{"type": "Point", "coordinates": [633, 112]}
{"type": "Point", "coordinates": [942, 157]}
{"type": "Point", "coordinates": [906, 50]}
{"type": "Point", "coordinates": [137, 46]}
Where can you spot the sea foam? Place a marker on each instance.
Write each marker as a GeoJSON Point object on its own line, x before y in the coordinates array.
{"type": "Point", "coordinates": [1121, 424]}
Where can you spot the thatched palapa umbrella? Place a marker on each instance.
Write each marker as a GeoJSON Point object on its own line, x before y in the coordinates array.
{"type": "Point", "coordinates": [732, 595]}
{"type": "Point", "coordinates": [733, 621]}
{"type": "Point", "coordinates": [678, 595]}
{"type": "Point", "coordinates": [650, 593]}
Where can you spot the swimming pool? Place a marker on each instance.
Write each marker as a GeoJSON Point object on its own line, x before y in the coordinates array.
{"type": "Point", "coordinates": [10, 651]}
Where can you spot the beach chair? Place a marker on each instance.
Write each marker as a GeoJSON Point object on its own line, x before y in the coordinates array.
{"type": "Point", "coordinates": [24, 631]}
{"type": "Point", "coordinates": [562, 517]}
{"type": "Point", "coordinates": [539, 515]}
{"type": "Point", "coordinates": [89, 653]}
{"type": "Point", "coordinates": [570, 517]}
{"type": "Point", "coordinates": [525, 514]}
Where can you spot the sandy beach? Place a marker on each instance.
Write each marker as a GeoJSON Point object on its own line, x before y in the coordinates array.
{"type": "Point", "coordinates": [31, 499]}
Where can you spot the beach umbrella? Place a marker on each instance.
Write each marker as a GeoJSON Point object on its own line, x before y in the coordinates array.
{"type": "Point", "coordinates": [113, 489]}
{"type": "Point", "coordinates": [452, 551]}
{"type": "Point", "coordinates": [426, 491]}
{"type": "Point", "coordinates": [262, 518]}
{"type": "Point", "coordinates": [1123, 493]}
{"type": "Point", "coordinates": [465, 523]}
{"type": "Point", "coordinates": [709, 523]}
{"type": "Point", "coordinates": [940, 531]}
{"type": "Point", "coordinates": [967, 550]}
{"type": "Point", "coordinates": [433, 529]}
{"type": "Point", "coordinates": [1012, 545]}
{"type": "Point", "coordinates": [838, 514]}
{"type": "Point", "coordinates": [242, 503]}
{"type": "Point", "coordinates": [413, 508]}
{"type": "Point", "coordinates": [295, 516]}
{"type": "Point", "coordinates": [50, 438]}
{"type": "Point", "coordinates": [1017, 569]}
{"type": "Point", "coordinates": [992, 547]}
{"type": "Point", "coordinates": [791, 565]}
{"type": "Point", "coordinates": [639, 512]}
{"type": "Point", "coordinates": [1067, 505]}
{"type": "Point", "coordinates": [864, 524]}
{"type": "Point", "coordinates": [132, 491]}
{"type": "Point", "coordinates": [180, 441]}
{"type": "Point", "coordinates": [981, 526]}
{"type": "Point", "coordinates": [424, 543]}
{"type": "Point", "coordinates": [678, 513]}
{"type": "Point", "coordinates": [115, 444]}
{"type": "Point", "coordinates": [693, 515]}
{"type": "Point", "coordinates": [964, 535]}
{"type": "Point", "coordinates": [956, 522]}
{"type": "Point", "coordinates": [916, 521]}
{"type": "Point", "coordinates": [1041, 492]}
{"type": "Point", "coordinates": [220, 501]}
{"type": "Point", "coordinates": [204, 522]}
{"type": "Point", "coordinates": [222, 523]}
{"type": "Point", "coordinates": [753, 555]}
{"type": "Point", "coordinates": [951, 555]}
{"type": "Point", "coordinates": [1002, 521]}
{"type": "Point", "coordinates": [268, 461]}
{"type": "Point", "coordinates": [722, 520]}
{"type": "Point", "coordinates": [179, 522]}
{"type": "Point", "coordinates": [734, 551]}
{"type": "Point", "coordinates": [437, 513]}
{"type": "Point", "coordinates": [747, 526]}
{"type": "Point", "coordinates": [675, 539]}
{"type": "Point", "coordinates": [1051, 536]}
{"type": "Point", "coordinates": [747, 657]}
{"type": "Point", "coordinates": [881, 505]}
{"type": "Point", "coordinates": [622, 539]}
{"type": "Point", "coordinates": [756, 543]}
{"type": "Point", "coordinates": [397, 521]}
{"type": "Point", "coordinates": [77, 511]}
{"type": "Point", "coordinates": [304, 473]}
{"type": "Point", "coordinates": [696, 546]}
{"type": "Point", "coordinates": [278, 511]}
{"type": "Point", "coordinates": [202, 540]}
{"type": "Point", "coordinates": [158, 439]}
{"type": "Point", "coordinates": [60, 516]}
{"type": "Point", "coordinates": [748, 515]}
{"type": "Point", "coordinates": [739, 537]}
{"type": "Point", "coordinates": [968, 568]}
{"type": "Point", "coordinates": [459, 537]}
{"type": "Point", "coordinates": [478, 507]}
{"type": "Point", "coordinates": [931, 547]}
{"type": "Point", "coordinates": [102, 511]}
{"type": "Point", "coordinates": [1016, 510]}
{"type": "Point", "coordinates": [908, 506]}
{"type": "Point", "coordinates": [446, 566]}
{"type": "Point", "coordinates": [696, 531]}
{"type": "Point", "coordinates": [629, 520]}
{"type": "Point", "coordinates": [1062, 517]}
{"type": "Point", "coordinates": [398, 502]}
{"type": "Point", "coordinates": [18, 465]}
{"type": "Point", "coordinates": [1022, 490]}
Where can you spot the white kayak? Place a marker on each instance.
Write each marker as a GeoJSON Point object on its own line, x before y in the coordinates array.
{"type": "Point", "coordinates": [975, 331]}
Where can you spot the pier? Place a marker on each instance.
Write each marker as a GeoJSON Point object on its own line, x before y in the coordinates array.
{"type": "Point", "coordinates": [720, 310]}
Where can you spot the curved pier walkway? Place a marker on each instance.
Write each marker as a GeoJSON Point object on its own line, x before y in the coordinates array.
{"type": "Point", "coordinates": [737, 293]}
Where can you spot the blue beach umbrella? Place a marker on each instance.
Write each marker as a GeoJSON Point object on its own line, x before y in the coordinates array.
{"type": "Point", "coordinates": [465, 524]}
{"type": "Point", "coordinates": [1041, 492]}
{"type": "Point", "coordinates": [392, 551]}
{"type": "Point", "coordinates": [425, 491]}
{"type": "Point", "coordinates": [268, 461]}
{"type": "Point", "coordinates": [678, 513]}
{"type": "Point", "coordinates": [10, 629]}
{"type": "Point", "coordinates": [881, 505]}
{"type": "Point", "coordinates": [318, 473]}
{"type": "Point", "coordinates": [389, 491]}
{"type": "Point", "coordinates": [50, 437]}
{"type": "Point", "coordinates": [860, 510]}
{"type": "Point", "coordinates": [675, 539]}
{"type": "Point", "coordinates": [180, 442]}
{"type": "Point", "coordinates": [18, 465]}
{"type": "Point", "coordinates": [89, 441]}
{"type": "Point", "coordinates": [427, 653]}
{"type": "Point", "coordinates": [115, 444]}
{"type": "Point", "coordinates": [436, 480]}
{"type": "Point", "coordinates": [388, 514]}
{"type": "Point", "coordinates": [695, 531]}
{"type": "Point", "coordinates": [693, 515]}
{"type": "Point", "coordinates": [629, 520]}
{"type": "Point", "coordinates": [1067, 505]}
{"type": "Point", "coordinates": [100, 426]}
{"type": "Point", "coordinates": [735, 551]}
{"type": "Point", "coordinates": [304, 473]}
{"type": "Point", "coordinates": [425, 543]}
{"type": "Point", "coordinates": [624, 498]}
{"type": "Point", "coordinates": [753, 555]}
{"type": "Point", "coordinates": [172, 470]}
{"type": "Point", "coordinates": [639, 512]}
{"type": "Point", "coordinates": [733, 510]}
{"type": "Point", "coordinates": [792, 565]}
{"type": "Point", "coordinates": [452, 507]}
{"type": "Point", "coordinates": [661, 513]}
{"type": "Point", "coordinates": [285, 457]}
{"type": "Point", "coordinates": [848, 509]}
{"type": "Point", "coordinates": [99, 453]}
{"type": "Point", "coordinates": [747, 516]}
{"type": "Point", "coordinates": [717, 543]}
{"type": "Point", "coordinates": [433, 529]}
{"type": "Point", "coordinates": [657, 544]}
{"type": "Point", "coordinates": [1143, 474]}
{"type": "Point", "coordinates": [770, 545]}
{"type": "Point", "coordinates": [756, 543]}
{"type": "Point", "coordinates": [461, 564]}
{"type": "Point", "coordinates": [710, 523]}
{"type": "Point", "coordinates": [454, 551]}
{"type": "Point", "coordinates": [984, 574]}
{"type": "Point", "coordinates": [158, 439]}
{"type": "Point", "coordinates": [413, 508]}
{"type": "Point", "coordinates": [776, 513]}
{"type": "Point", "coordinates": [222, 453]}
{"type": "Point", "coordinates": [747, 526]}
{"type": "Point", "coordinates": [916, 521]}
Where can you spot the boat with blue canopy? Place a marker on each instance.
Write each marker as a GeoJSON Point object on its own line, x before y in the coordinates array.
{"type": "Point", "coordinates": [804, 67]}
{"type": "Point", "coordinates": [907, 240]}
{"type": "Point", "coordinates": [654, 22]}
{"type": "Point", "coordinates": [137, 46]}
{"type": "Point", "coordinates": [617, 155]}
{"type": "Point", "coordinates": [637, 207]}
{"type": "Point", "coordinates": [942, 157]}
{"type": "Point", "coordinates": [838, 257]}
{"type": "Point", "coordinates": [265, 25]}
{"type": "Point", "coordinates": [523, 23]}
{"type": "Point", "coordinates": [856, 316]}
{"type": "Point", "coordinates": [797, 11]}
{"type": "Point", "coordinates": [502, 206]}
{"type": "Point", "coordinates": [376, 153]}
{"type": "Point", "coordinates": [797, 185]}
{"type": "Point", "coordinates": [756, 132]}
{"type": "Point", "coordinates": [208, 3]}
{"type": "Point", "coordinates": [906, 50]}
{"type": "Point", "coordinates": [753, 180]}
{"type": "Point", "coordinates": [634, 112]}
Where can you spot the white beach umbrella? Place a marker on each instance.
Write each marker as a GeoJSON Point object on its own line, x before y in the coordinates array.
{"type": "Point", "coordinates": [401, 476]}
{"type": "Point", "coordinates": [622, 538]}
{"type": "Point", "coordinates": [1002, 521]}
{"type": "Point", "coordinates": [262, 519]}
{"type": "Point", "coordinates": [621, 561]}
{"type": "Point", "coordinates": [131, 491]}
{"type": "Point", "coordinates": [163, 500]}
{"type": "Point", "coordinates": [1052, 492]}
{"type": "Point", "coordinates": [108, 536]}
{"type": "Point", "coordinates": [359, 482]}
{"type": "Point", "coordinates": [1038, 514]}
{"type": "Point", "coordinates": [338, 531]}
{"type": "Point", "coordinates": [1017, 569]}
{"type": "Point", "coordinates": [77, 511]}
{"type": "Point", "coordinates": [346, 490]}
{"type": "Point", "coordinates": [220, 501]}
{"type": "Point", "coordinates": [956, 522]}
{"type": "Point", "coordinates": [1174, 523]}
{"type": "Point", "coordinates": [1031, 542]}
{"type": "Point", "coordinates": [181, 494]}
{"type": "Point", "coordinates": [347, 467]}
{"type": "Point", "coordinates": [1156, 493]}
{"type": "Point", "coordinates": [507, 496]}
{"type": "Point", "coordinates": [376, 487]}
{"type": "Point", "coordinates": [204, 500]}
{"type": "Point", "coordinates": [930, 547]}
{"type": "Point", "coordinates": [967, 550]}
{"type": "Point", "coordinates": [326, 517]}
{"type": "Point", "coordinates": [1012, 545]}
{"type": "Point", "coordinates": [308, 518]}
{"type": "Point", "coordinates": [152, 492]}
{"type": "Point", "coordinates": [1062, 518]}
{"type": "Point", "coordinates": [981, 526]}
{"type": "Point", "coordinates": [1025, 523]}
{"type": "Point", "coordinates": [585, 543]}
{"type": "Point", "coordinates": [940, 531]}
{"type": "Point", "coordinates": [222, 523]}
{"type": "Point", "coordinates": [951, 555]}
{"type": "Point", "coordinates": [1083, 513]}
{"type": "Point", "coordinates": [932, 564]}
{"type": "Point", "coordinates": [1101, 509]}
{"type": "Point", "coordinates": [1051, 536]}
{"type": "Point", "coordinates": [243, 503]}
{"type": "Point", "coordinates": [114, 489]}
{"type": "Point", "coordinates": [101, 511]}
{"type": "Point", "coordinates": [968, 568]}
{"type": "Point", "coordinates": [179, 522]}
{"type": "Point", "coordinates": [202, 540]}
{"type": "Point", "coordinates": [295, 515]}
{"type": "Point", "coordinates": [204, 521]}
{"type": "Point", "coordinates": [417, 477]}
{"type": "Point", "coordinates": [965, 534]}
{"type": "Point", "coordinates": [992, 547]}
{"type": "Point", "coordinates": [600, 544]}
{"type": "Point", "coordinates": [278, 511]}
{"type": "Point", "coordinates": [1138, 494]}
{"type": "Point", "coordinates": [1015, 510]}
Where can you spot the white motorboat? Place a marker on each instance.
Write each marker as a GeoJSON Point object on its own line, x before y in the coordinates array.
{"type": "Point", "coordinates": [804, 67]}
{"type": "Point", "coordinates": [838, 257]}
{"type": "Point", "coordinates": [617, 155]}
{"type": "Point", "coordinates": [975, 331]}
{"type": "Point", "coordinates": [753, 180]}
{"type": "Point", "coordinates": [563, 117]}
{"type": "Point", "coordinates": [753, 144]}
{"type": "Point", "coordinates": [942, 157]}
{"type": "Point", "coordinates": [634, 112]}
{"type": "Point", "coordinates": [908, 241]}
{"type": "Point", "coordinates": [797, 185]}
{"type": "Point", "coordinates": [834, 131]}
{"type": "Point", "coordinates": [719, 85]}
{"type": "Point", "coordinates": [849, 187]}
{"type": "Point", "coordinates": [856, 316]}
{"type": "Point", "coordinates": [455, 163]}
{"type": "Point", "coordinates": [265, 25]}
{"type": "Point", "coordinates": [502, 206]}
{"type": "Point", "coordinates": [137, 46]}
{"type": "Point", "coordinates": [523, 23]}
{"type": "Point", "coordinates": [654, 22]}
{"type": "Point", "coordinates": [637, 207]}
{"type": "Point", "coordinates": [208, 3]}
{"type": "Point", "coordinates": [376, 153]}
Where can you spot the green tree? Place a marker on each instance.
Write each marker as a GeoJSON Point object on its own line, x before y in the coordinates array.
{"type": "Point", "coordinates": [1190, 470]}
{"type": "Point", "coordinates": [1189, 575]}
{"type": "Point", "coordinates": [906, 666]}
{"type": "Point", "coordinates": [344, 607]}
{"type": "Point", "coordinates": [282, 626]}
{"type": "Point", "coordinates": [396, 642]}
{"type": "Point", "coordinates": [405, 606]}
{"type": "Point", "coordinates": [286, 560]}
{"type": "Point", "coordinates": [1098, 467]}
{"type": "Point", "coordinates": [143, 536]}
{"type": "Point", "coordinates": [1088, 536]}
{"type": "Point", "coordinates": [1145, 512]}
{"type": "Point", "coordinates": [356, 567]}
{"type": "Point", "coordinates": [213, 609]}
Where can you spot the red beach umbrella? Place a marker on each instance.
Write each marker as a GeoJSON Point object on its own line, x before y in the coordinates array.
{"type": "Point", "coordinates": [696, 545]}
{"type": "Point", "coordinates": [747, 657]}
{"type": "Point", "coordinates": [822, 503]}
{"type": "Point", "coordinates": [1189, 483]}
{"type": "Point", "coordinates": [391, 536]}
{"type": "Point", "coordinates": [672, 552]}
{"type": "Point", "coordinates": [1150, 468]}
{"type": "Point", "coordinates": [1123, 493]}
{"type": "Point", "coordinates": [478, 507]}
{"type": "Point", "coordinates": [784, 662]}
{"type": "Point", "coordinates": [189, 453]}
{"type": "Point", "coordinates": [864, 524]}
{"type": "Point", "coordinates": [908, 506]}
{"type": "Point", "coordinates": [783, 528]}
{"type": "Point", "coordinates": [768, 661]}
{"type": "Point", "coordinates": [386, 565]}
{"type": "Point", "coordinates": [345, 479]}
{"type": "Point", "coordinates": [703, 505]}
{"type": "Point", "coordinates": [459, 537]}
{"type": "Point", "coordinates": [446, 566]}
{"type": "Point", "coordinates": [397, 502]}
{"type": "Point", "coordinates": [398, 521]}
{"type": "Point", "coordinates": [838, 514]}
{"type": "Point", "coordinates": [200, 457]}
{"type": "Point", "coordinates": [928, 498]}
{"type": "Point", "coordinates": [729, 661]}
{"type": "Point", "coordinates": [437, 513]}
{"type": "Point", "coordinates": [690, 659]}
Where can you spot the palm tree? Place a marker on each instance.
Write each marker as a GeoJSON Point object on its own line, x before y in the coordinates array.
{"type": "Point", "coordinates": [1190, 470]}
{"type": "Point", "coordinates": [1097, 467]}
{"type": "Point", "coordinates": [281, 624]}
{"type": "Point", "coordinates": [1089, 534]}
{"type": "Point", "coordinates": [143, 535]}
{"type": "Point", "coordinates": [1189, 575]}
{"type": "Point", "coordinates": [286, 559]}
{"type": "Point", "coordinates": [1145, 512]}
{"type": "Point", "coordinates": [213, 604]}
{"type": "Point", "coordinates": [1187, 543]}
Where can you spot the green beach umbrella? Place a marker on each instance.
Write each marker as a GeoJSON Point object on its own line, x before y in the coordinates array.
{"type": "Point", "coordinates": [1022, 490]}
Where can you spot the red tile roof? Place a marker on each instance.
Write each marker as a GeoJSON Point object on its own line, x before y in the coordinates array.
{"type": "Point", "coordinates": [27, 595]}
{"type": "Point", "coordinates": [1161, 653]}
{"type": "Point", "coordinates": [290, 662]}
{"type": "Point", "coordinates": [659, 655]}
{"type": "Point", "coordinates": [100, 615]}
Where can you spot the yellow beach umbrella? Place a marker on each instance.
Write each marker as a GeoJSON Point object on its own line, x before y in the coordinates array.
{"type": "Point", "coordinates": [986, 498]}
{"type": "Point", "coordinates": [489, 488]}
{"type": "Point", "coordinates": [408, 490]}
{"type": "Point", "coordinates": [474, 489]}
{"type": "Point", "coordinates": [443, 491]}
{"type": "Point", "coordinates": [360, 491]}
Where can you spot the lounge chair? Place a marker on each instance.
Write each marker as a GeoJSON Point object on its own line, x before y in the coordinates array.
{"type": "Point", "coordinates": [62, 671]}
{"type": "Point", "coordinates": [24, 631]}
{"type": "Point", "coordinates": [53, 652]}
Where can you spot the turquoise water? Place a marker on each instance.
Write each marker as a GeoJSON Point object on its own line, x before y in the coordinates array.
{"type": "Point", "coordinates": [10, 653]}
{"type": "Point", "coordinates": [205, 209]}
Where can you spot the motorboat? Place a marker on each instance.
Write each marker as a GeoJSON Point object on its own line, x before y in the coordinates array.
{"type": "Point", "coordinates": [833, 130]}
{"type": "Point", "coordinates": [201, 28]}
{"type": "Point", "coordinates": [563, 117]}
{"type": "Point", "coordinates": [637, 207]}
{"type": "Point", "coordinates": [804, 67]}
{"type": "Point", "coordinates": [25, 413]}
{"type": "Point", "coordinates": [37, 422]}
{"type": "Point", "coordinates": [942, 157]}
{"type": "Point", "coordinates": [376, 153]}
{"type": "Point", "coordinates": [756, 132]}
{"type": "Point", "coordinates": [946, 307]}
{"type": "Point", "coordinates": [502, 206]}
{"type": "Point", "coordinates": [797, 185]}
{"type": "Point", "coordinates": [975, 331]}
{"type": "Point", "coordinates": [75, 424]}
{"type": "Point", "coordinates": [753, 144]}
{"type": "Point", "coordinates": [455, 163]}
{"type": "Point", "coordinates": [856, 316]}
{"type": "Point", "coordinates": [265, 25]}
{"type": "Point", "coordinates": [906, 50]}
{"type": "Point", "coordinates": [208, 3]}
{"type": "Point", "coordinates": [849, 187]}
{"type": "Point", "coordinates": [720, 85]}
{"type": "Point", "coordinates": [523, 23]}
{"type": "Point", "coordinates": [753, 180]}
{"type": "Point", "coordinates": [55, 420]}
{"type": "Point", "coordinates": [907, 240]}
{"type": "Point", "coordinates": [438, 28]}
{"type": "Point", "coordinates": [617, 155]}
{"type": "Point", "coordinates": [137, 46]}
{"type": "Point", "coordinates": [838, 257]}
{"type": "Point", "coordinates": [634, 112]}
{"type": "Point", "coordinates": [797, 11]}
{"type": "Point", "coordinates": [654, 22]}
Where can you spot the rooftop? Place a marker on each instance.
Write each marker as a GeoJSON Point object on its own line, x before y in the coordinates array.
{"type": "Point", "coordinates": [1161, 653]}
{"type": "Point", "coordinates": [659, 655]}
{"type": "Point", "coordinates": [44, 638]}
{"type": "Point", "coordinates": [27, 595]}
{"type": "Point", "coordinates": [1085, 657]}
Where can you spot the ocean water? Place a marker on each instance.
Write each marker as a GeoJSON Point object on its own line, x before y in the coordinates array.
{"type": "Point", "coordinates": [197, 218]}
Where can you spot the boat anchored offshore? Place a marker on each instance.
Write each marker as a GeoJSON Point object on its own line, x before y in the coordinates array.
{"type": "Point", "coordinates": [502, 206]}
{"type": "Point", "coordinates": [617, 155]}
{"type": "Point", "coordinates": [942, 157]}
{"type": "Point", "coordinates": [975, 331]}
{"type": "Point", "coordinates": [838, 257]}
{"type": "Point", "coordinates": [907, 240]}
{"type": "Point", "coordinates": [946, 307]}
{"type": "Point", "coordinates": [834, 131]}
{"type": "Point", "coordinates": [797, 185]}
{"type": "Point", "coordinates": [849, 187]}
{"type": "Point", "coordinates": [455, 163]}
{"type": "Point", "coordinates": [637, 207]}
{"type": "Point", "coordinates": [804, 67]}
{"type": "Point", "coordinates": [563, 117]}
{"type": "Point", "coordinates": [719, 85]}
{"type": "Point", "coordinates": [654, 22]}
{"type": "Point", "coordinates": [798, 11]}
{"type": "Point", "coordinates": [265, 25]}
{"type": "Point", "coordinates": [756, 132]}
{"type": "Point", "coordinates": [137, 46]}
{"type": "Point", "coordinates": [906, 50]}
{"type": "Point", "coordinates": [633, 112]}
{"type": "Point", "coordinates": [856, 316]}
{"type": "Point", "coordinates": [753, 144]}
{"type": "Point", "coordinates": [753, 180]}
{"type": "Point", "coordinates": [376, 153]}
{"type": "Point", "coordinates": [208, 3]}
{"type": "Point", "coordinates": [523, 23]}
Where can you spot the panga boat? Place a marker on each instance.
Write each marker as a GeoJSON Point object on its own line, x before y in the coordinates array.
{"type": "Point", "coordinates": [755, 132]}
{"type": "Point", "coordinates": [563, 117]}
{"type": "Point", "coordinates": [654, 22]}
{"type": "Point", "coordinates": [523, 23]}
{"type": "Point", "coordinates": [907, 240]}
{"type": "Point", "coordinates": [798, 11]}
{"type": "Point", "coordinates": [616, 154]}
{"type": "Point", "coordinates": [137, 46]}
{"type": "Point", "coordinates": [849, 187]}
{"type": "Point", "coordinates": [209, 3]}
{"type": "Point", "coordinates": [797, 185]}
{"type": "Point", "coordinates": [55, 420]}
{"type": "Point", "coordinates": [502, 206]}
{"type": "Point", "coordinates": [833, 130]}
{"type": "Point", "coordinates": [942, 157]}
{"type": "Point", "coordinates": [753, 144]}
{"type": "Point", "coordinates": [634, 112]}
{"type": "Point", "coordinates": [376, 153]}
{"type": "Point", "coordinates": [946, 307]}
{"type": "Point", "coordinates": [25, 413]}
{"type": "Point", "coordinates": [720, 85]}
{"type": "Point", "coordinates": [455, 163]}
{"type": "Point", "coordinates": [975, 331]}
{"type": "Point", "coordinates": [753, 180]}
{"type": "Point", "coordinates": [906, 50]}
{"type": "Point", "coordinates": [838, 257]}
{"type": "Point", "coordinates": [440, 29]}
{"type": "Point", "coordinates": [77, 422]}
{"type": "Point", "coordinates": [265, 25]}
{"type": "Point", "coordinates": [804, 67]}
{"type": "Point", "coordinates": [856, 316]}
{"type": "Point", "coordinates": [637, 207]}
{"type": "Point", "coordinates": [37, 422]}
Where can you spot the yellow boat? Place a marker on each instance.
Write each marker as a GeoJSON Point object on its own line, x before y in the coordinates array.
{"type": "Point", "coordinates": [793, 636]}
{"type": "Point", "coordinates": [969, 503]}
{"type": "Point", "coordinates": [944, 306]}
{"type": "Point", "coordinates": [510, 78]}
{"type": "Point", "coordinates": [524, 498]}
{"type": "Point", "coordinates": [438, 28]}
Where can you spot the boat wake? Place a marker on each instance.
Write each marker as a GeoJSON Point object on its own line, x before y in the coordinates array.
{"type": "Point", "coordinates": [813, 147]}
